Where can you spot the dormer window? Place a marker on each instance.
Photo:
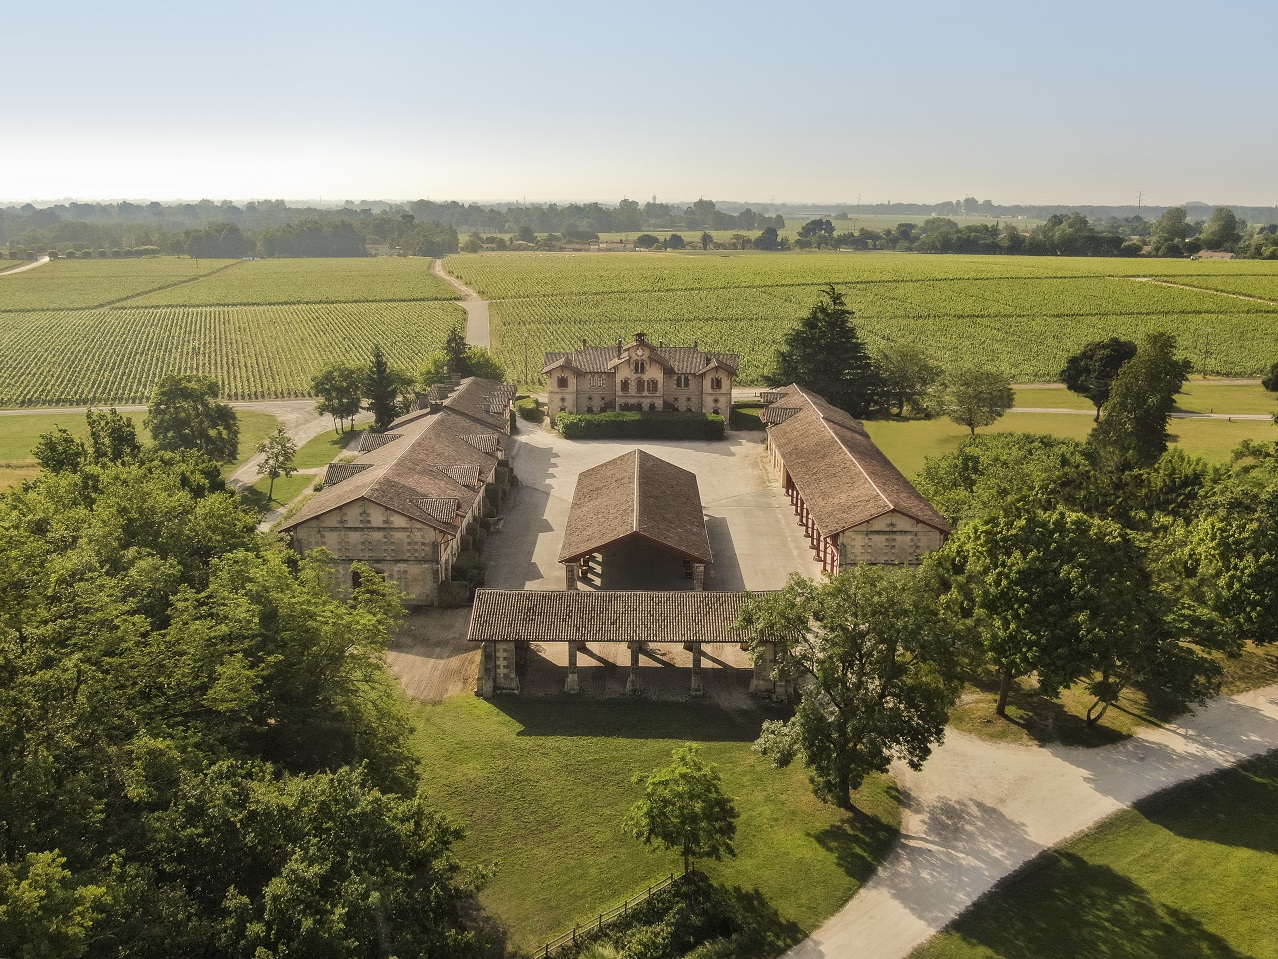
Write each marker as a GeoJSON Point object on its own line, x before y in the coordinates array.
{"type": "Point", "coordinates": [563, 381]}
{"type": "Point", "coordinates": [716, 382]}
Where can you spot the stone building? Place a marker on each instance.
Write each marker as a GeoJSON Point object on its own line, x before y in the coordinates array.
{"type": "Point", "coordinates": [854, 505]}
{"type": "Point", "coordinates": [404, 504]}
{"type": "Point", "coordinates": [639, 376]}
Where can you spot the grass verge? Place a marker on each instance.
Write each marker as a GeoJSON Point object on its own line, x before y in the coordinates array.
{"type": "Point", "coordinates": [286, 489]}
{"type": "Point", "coordinates": [325, 448]}
{"type": "Point", "coordinates": [1191, 873]}
{"type": "Point", "coordinates": [542, 786]}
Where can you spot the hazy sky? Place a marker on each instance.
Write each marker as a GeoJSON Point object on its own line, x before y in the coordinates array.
{"type": "Point", "coordinates": [1026, 101]}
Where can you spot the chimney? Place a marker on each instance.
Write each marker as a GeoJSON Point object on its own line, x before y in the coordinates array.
{"type": "Point", "coordinates": [694, 346]}
{"type": "Point", "coordinates": [583, 342]}
{"type": "Point", "coordinates": [618, 347]}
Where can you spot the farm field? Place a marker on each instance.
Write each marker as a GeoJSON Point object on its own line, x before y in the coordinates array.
{"type": "Point", "coordinates": [541, 786]}
{"type": "Point", "coordinates": [1024, 314]}
{"type": "Point", "coordinates": [84, 357]}
{"type": "Point", "coordinates": [315, 280]}
{"type": "Point", "coordinates": [1181, 874]}
{"type": "Point", "coordinates": [80, 284]}
{"type": "Point", "coordinates": [19, 432]}
{"type": "Point", "coordinates": [1264, 287]}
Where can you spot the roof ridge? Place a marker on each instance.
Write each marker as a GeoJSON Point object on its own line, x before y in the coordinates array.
{"type": "Point", "coordinates": [855, 460]}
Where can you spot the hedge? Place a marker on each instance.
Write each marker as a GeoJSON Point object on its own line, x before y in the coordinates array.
{"type": "Point", "coordinates": [453, 593]}
{"type": "Point", "coordinates": [636, 425]}
{"type": "Point", "coordinates": [745, 416]}
{"type": "Point", "coordinates": [529, 409]}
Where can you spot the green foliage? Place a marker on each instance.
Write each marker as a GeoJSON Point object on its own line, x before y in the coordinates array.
{"type": "Point", "coordinates": [1270, 381]}
{"type": "Point", "coordinates": [908, 376]}
{"type": "Point", "coordinates": [386, 389]}
{"type": "Point", "coordinates": [873, 666]}
{"type": "Point", "coordinates": [684, 808]}
{"type": "Point", "coordinates": [185, 416]}
{"type": "Point", "coordinates": [1091, 371]}
{"type": "Point", "coordinates": [44, 913]}
{"type": "Point", "coordinates": [340, 387]}
{"type": "Point", "coordinates": [1132, 431]}
{"type": "Point", "coordinates": [631, 424]}
{"type": "Point", "coordinates": [59, 452]}
{"type": "Point", "coordinates": [112, 438]}
{"type": "Point", "coordinates": [278, 451]}
{"type": "Point", "coordinates": [529, 408]}
{"type": "Point", "coordinates": [825, 354]}
{"type": "Point", "coordinates": [975, 396]}
{"type": "Point", "coordinates": [985, 472]}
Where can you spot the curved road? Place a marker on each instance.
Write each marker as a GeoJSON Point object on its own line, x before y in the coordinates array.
{"type": "Point", "coordinates": [476, 307]}
{"type": "Point", "coordinates": [977, 811]}
{"type": "Point", "coordinates": [26, 266]}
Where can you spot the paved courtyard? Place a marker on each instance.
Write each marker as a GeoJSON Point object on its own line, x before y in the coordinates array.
{"type": "Point", "coordinates": [756, 541]}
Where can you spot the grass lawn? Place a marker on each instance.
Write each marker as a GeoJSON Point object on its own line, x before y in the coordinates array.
{"type": "Point", "coordinates": [908, 443]}
{"type": "Point", "coordinates": [325, 448]}
{"type": "Point", "coordinates": [286, 488]}
{"type": "Point", "coordinates": [1189, 874]}
{"type": "Point", "coordinates": [542, 785]}
{"type": "Point", "coordinates": [1198, 396]}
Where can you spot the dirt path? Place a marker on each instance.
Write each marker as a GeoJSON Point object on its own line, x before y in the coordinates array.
{"type": "Point", "coordinates": [1202, 289]}
{"type": "Point", "coordinates": [977, 811]}
{"type": "Point", "coordinates": [26, 266]}
{"type": "Point", "coordinates": [477, 331]}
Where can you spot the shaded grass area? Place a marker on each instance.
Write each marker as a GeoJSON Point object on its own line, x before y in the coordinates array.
{"type": "Point", "coordinates": [907, 443]}
{"type": "Point", "coordinates": [325, 448]}
{"type": "Point", "coordinates": [542, 786]}
{"type": "Point", "coordinates": [1191, 873]}
{"type": "Point", "coordinates": [286, 488]}
{"type": "Point", "coordinates": [1032, 718]}
{"type": "Point", "coordinates": [746, 416]}
{"type": "Point", "coordinates": [20, 431]}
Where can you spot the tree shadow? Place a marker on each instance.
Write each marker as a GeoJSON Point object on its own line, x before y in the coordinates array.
{"type": "Point", "coordinates": [764, 931]}
{"type": "Point", "coordinates": [858, 842]}
{"type": "Point", "coordinates": [1062, 905]}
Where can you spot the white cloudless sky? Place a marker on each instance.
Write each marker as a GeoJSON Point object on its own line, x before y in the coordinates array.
{"type": "Point", "coordinates": [1019, 102]}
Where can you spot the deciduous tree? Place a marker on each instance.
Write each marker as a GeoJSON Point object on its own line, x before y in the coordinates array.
{"type": "Point", "coordinates": [875, 671]}
{"type": "Point", "coordinates": [975, 396]}
{"type": "Point", "coordinates": [685, 808]}
{"type": "Point", "coordinates": [277, 451]}
{"type": "Point", "coordinates": [185, 415]}
{"type": "Point", "coordinates": [1132, 431]}
{"type": "Point", "coordinates": [908, 375]}
{"type": "Point", "coordinates": [1091, 371]}
{"type": "Point", "coordinates": [340, 387]}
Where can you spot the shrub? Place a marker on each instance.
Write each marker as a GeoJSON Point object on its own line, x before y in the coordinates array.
{"type": "Point", "coordinates": [530, 409]}
{"type": "Point", "coordinates": [453, 594]}
{"type": "Point", "coordinates": [470, 567]}
{"type": "Point", "coordinates": [635, 425]}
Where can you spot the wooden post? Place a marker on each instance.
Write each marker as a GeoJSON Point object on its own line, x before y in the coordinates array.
{"type": "Point", "coordinates": [697, 688]}
{"type": "Point", "coordinates": [632, 681]}
{"type": "Point", "coordinates": [571, 684]}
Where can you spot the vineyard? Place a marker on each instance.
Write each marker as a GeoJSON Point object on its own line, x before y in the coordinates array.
{"type": "Point", "coordinates": [1022, 314]}
{"type": "Point", "coordinates": [80, 357]}
{"type": "Point", "coordinates": [73, 284]}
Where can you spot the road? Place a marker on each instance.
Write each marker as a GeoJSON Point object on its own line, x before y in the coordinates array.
{"type": "Point", "coordinates": [26, 266]}
{"type": "Point", "coordinates": [978, 811]}
{"type": "Point", "coordinates": [477, 330]}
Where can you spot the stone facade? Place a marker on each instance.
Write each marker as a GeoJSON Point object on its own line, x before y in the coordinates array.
{"type": "Point", "coordinates": [639, 376]}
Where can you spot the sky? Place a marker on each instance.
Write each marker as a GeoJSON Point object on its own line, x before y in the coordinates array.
{"type": "Point", "coordinates": [1018, 102]}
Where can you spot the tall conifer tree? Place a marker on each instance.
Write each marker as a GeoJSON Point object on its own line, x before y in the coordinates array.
{"type": "Point", "coordinates": [825, 354]}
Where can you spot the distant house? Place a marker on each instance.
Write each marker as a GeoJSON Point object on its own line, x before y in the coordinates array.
{"type": "Point", "coordinates": [639, 376]}
{"type": "Point", "coordinates": [404, 504]}
{"type": "Point", "coordinates": [1212, 255]}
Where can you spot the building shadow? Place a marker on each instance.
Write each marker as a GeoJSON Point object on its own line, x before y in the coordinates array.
{"type": "Point", "coordinates": [724, 574]}
{"type": "Point", "coordinates": [632, 718]}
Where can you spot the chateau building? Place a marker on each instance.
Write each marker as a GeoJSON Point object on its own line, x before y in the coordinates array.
{"type": "Point", "coordinates": [853, 504]}
{"type": "Point", "coordinates": [639, 376]}
{"type": "Point", "coordinates": [404, 504]}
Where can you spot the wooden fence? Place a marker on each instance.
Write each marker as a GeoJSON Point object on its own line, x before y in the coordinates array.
{"type": "Point", "coordinates": [558, 944]}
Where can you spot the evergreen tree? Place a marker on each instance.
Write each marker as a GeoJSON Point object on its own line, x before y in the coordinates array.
{"type": "Point", "coordinates": [382, 388]}
{"type": "Point", "coordinates": [825, 354]}
{"type": "Point", "coordinates": [1132, 431]}
{"type": "Point", "coordinates": [1091, 371]}
{"type": "Point", "coordinates": [455, 351]}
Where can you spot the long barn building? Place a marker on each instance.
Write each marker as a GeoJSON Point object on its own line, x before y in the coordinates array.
{"type": "Point", "coordinates": [854, 505]}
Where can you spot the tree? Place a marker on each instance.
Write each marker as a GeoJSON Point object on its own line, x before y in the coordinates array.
{"type": "Point", "coordinates": [907, 374]}
{"type": "Point", "coordinates": [674, 242]}
{"type": "Point", "coordinates": [875, 669]}
{"type": "Point", "coordinates": [112, 437]}
{"type": "Point", "coordinates": [185, 415]}
{"type": "Point", "coordinates": [767, 240]}
{"type": "Point", "coordinates": [277, 451]}
{"type": "Point", "coordinates": [1172, 227]}
{"type": "Point", "coordinates": [340, 387]}
{"type": "Point", "coordinates": [817, 228]}
{"type": "Point", "coordinates": [1270, 380]}
{"type": "Point", "coordinates": [685, 808]}
{"type": "Point", "coordinates": [1132, 431]}
{"type": "Point", "coordinates": [706, 241]}
{"type": "Point", "coordinates": [384, 388]}
{"type": "Point", "coordinates": [1091, 371]}
{"type": "Point", "coordinates": [455, 349]}
{"type": "Point", "coordinates": [526, 234]}
{"type": "Point", "coordinates": [646, 241]}
{"type": "Point", "coordinates": [479, 362]}
{"type": "Point", "coordinates": [1222, 231]}
{"type": "Point", "coordinates": [975, 396]}
{"type": "Point", "coordinates": [57, 451]}
{"type": "Point", "coordinates": [823, 353]}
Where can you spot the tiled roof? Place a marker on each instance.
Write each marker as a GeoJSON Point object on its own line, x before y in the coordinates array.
{"type": "Point", "coordinates": [337, 472]}
{"type": "Point", "coordinates": [636, 494]}
{"type": "Point", "coordinates": [440, 457]}
{"type": "Point", "coordinates": [371, 441]}
{"type": "Point", "coordinates": [606, 616]}
{"type": "Point", "coordinates": [679, 359]}
{"type": "Point", "coordinates": [844, 479]}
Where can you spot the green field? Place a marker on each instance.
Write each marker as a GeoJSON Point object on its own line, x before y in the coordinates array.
{"type": "Point", "coordinates": [542, 785]}
{"type": "Point", "coordinates": [80, 284]}
{"type": "Point", "coordinates": [1023, 314]}
{"type": "Point", "coordinates": [19, 432]}
{"type": "Point", "coordinates": [1191, 873]}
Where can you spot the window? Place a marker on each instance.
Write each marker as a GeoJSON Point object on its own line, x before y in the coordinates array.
{"type": "Point", "coordinates": [590, 409]}
{"type": "Point", "coordinates": [652, 407]}
{"type": "Point", "coordinates": [716, 382]}
{"type": "Point", "coordinates": [683, 382]}
{"type": "Point", "coordinates": [596, 383]}
{"type": "Point", "coordinates": [640, 366]}
{"type": "Point", "coordinates": [625, 386]}
{"type": "Point", "coordinates": [652, 386]}
{"type": "Point", "coordinates": [639, 386]}
{"type": "Point", "coordinates": [563, 381]}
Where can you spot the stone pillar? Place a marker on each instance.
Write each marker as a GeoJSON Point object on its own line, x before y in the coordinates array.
{"type": "Point", "coordinates": [570, 684]}
{"type": "Point", "coordinates": [570, 575]}
{"type": "Point", "coordinates": [632, 682]}
{"type": "Point", "coordinates": [507, 678]}
{"type": "Point", "coordinates": [697, 688]}
{"type": "Point", "coordinates": [699, 577]}
{"type": "Point", "coordinates": [765, 661]}
{"type": "Point", "coordinates": [487, 671]}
